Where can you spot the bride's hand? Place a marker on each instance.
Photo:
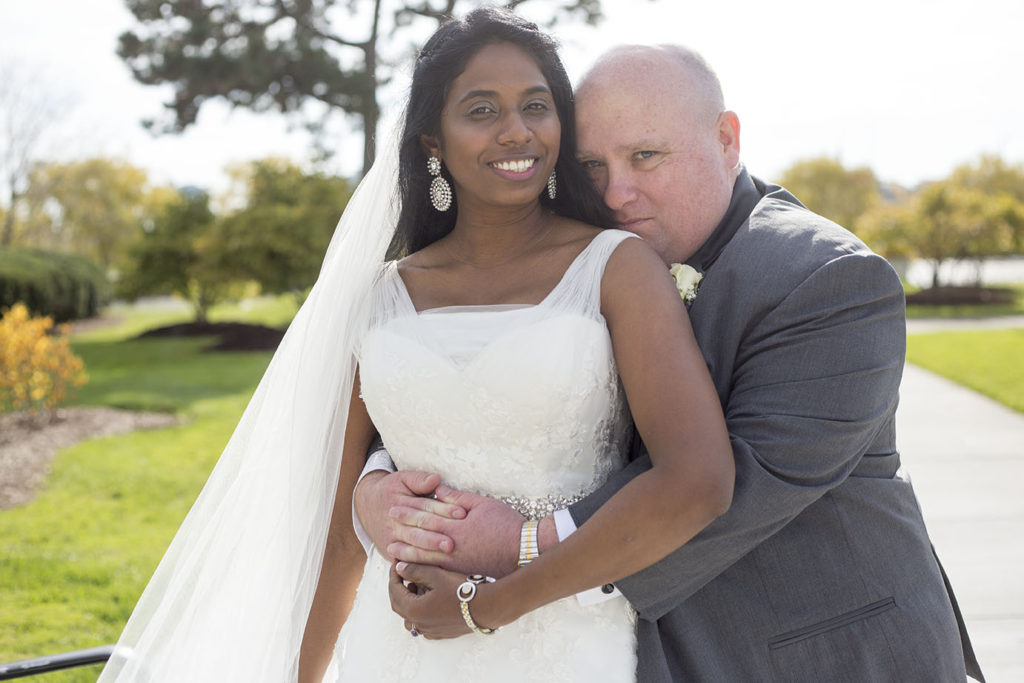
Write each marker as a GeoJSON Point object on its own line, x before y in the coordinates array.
{"type": "Point", "coordinates": [426, 598]}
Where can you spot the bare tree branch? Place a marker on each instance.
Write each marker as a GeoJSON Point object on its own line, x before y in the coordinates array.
{"type": "Point", "coordinates": [302, 21]}
{"type": "Point", "coordinates": [27, 112]}
{"type": "Point", "coordinates": [425, 9]}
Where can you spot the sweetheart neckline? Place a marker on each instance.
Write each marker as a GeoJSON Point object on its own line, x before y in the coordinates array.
{"type": "Point", "coordinates": [487, 347]}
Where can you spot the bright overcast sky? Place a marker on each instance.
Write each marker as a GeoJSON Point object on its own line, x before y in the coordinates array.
{"type": "Point", "coordinates": [911, 88]}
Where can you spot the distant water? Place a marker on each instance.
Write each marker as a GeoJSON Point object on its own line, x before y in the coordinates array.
{"type": "Point", "coordinates": [1002, 270]}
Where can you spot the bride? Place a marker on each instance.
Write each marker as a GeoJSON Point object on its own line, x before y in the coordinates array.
{"type": "Point", "coordinates": [501, 352]}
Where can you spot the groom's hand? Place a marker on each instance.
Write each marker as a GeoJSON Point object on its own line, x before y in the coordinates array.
{"type": "Point", "coordinates": [486, 541]}
{"type": "Point", "coordinates": [379, 494]}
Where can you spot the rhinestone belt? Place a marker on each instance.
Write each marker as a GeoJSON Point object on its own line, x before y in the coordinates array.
{"type": "Point", "coordinates": [538, 508]}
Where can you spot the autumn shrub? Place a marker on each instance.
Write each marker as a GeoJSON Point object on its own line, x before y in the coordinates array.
{"type": "Point", "coordinates": [37, 367]}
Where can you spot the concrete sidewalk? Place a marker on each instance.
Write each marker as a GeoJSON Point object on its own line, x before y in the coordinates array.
{"type": "Point", "coordinates": [964, 454]}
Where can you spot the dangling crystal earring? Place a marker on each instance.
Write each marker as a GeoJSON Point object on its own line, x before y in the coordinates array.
{"type": "Point", "coordinates": [440, 190]}
{"type": "Point", "coordinates": [552, 188]}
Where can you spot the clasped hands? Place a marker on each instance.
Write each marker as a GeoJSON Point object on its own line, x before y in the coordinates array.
{"type": "Point", "coordinates": [434, 536]}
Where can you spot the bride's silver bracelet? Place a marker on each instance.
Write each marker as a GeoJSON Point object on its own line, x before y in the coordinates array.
{"type": "Point", "coordinates": [466, 592]}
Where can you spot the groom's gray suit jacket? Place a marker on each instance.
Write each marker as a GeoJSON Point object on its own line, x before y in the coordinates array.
{"type": "Point", "coordinates": [822, 569]}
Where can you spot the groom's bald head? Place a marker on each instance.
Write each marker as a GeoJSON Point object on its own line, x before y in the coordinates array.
{"type": "Point", "coordinates": [659, 144]}
{"type": "Point", "coordinates": [685, 71]}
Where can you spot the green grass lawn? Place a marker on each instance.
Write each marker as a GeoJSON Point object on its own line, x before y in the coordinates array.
{"type": "Point", "coordinates": [163, 374]}
{"type": "Point", "coordinates": [74, 561]}
{"type": "Point", "coordinates": [991, 362]}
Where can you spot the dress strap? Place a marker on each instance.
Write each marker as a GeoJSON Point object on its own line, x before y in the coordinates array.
{"type": "Point", "coordinates": [580, 288]}
{"type": "Point", "coordinates": [387, 299]}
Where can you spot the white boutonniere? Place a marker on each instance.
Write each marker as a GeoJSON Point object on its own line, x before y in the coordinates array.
{"type": "Point", "coordinates": [687, 279]}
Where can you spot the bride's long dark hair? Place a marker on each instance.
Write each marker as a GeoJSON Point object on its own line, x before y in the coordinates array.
{"type": "Point", "coordinates": [441, 61]}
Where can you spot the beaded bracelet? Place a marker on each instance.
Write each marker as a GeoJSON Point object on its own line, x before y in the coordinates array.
{"type": "Point", "coordinates": [466, 592]}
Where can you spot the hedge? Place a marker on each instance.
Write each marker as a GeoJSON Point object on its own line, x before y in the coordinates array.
{"type": "Point", "coordinates": [62, 286]}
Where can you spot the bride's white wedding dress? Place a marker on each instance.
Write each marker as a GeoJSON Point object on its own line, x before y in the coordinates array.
{"type": "Point", "coordinates": [509, 401]}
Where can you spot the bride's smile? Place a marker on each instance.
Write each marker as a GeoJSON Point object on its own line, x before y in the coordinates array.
{"type": "Point", "coordinates": [515, 169]}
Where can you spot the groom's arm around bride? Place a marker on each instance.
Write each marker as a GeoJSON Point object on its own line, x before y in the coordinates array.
{"type": "Point", "coordinates": [822, 568]}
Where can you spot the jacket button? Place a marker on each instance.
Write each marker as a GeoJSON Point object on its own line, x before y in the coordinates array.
{"type": "Point", "coordinates": [607, 589]}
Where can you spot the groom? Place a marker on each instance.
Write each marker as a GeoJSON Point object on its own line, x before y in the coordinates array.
{"type": "Point", "coordinates": [822, 569]}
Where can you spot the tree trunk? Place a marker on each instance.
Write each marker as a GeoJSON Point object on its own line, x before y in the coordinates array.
{"type": "Point", "coordinates": [201, 312]}
{"type": "Point", "coordinates": [935, 272]}
{"type": "Point", "coordinates": [201, 306]}
{"type": "Point", "coordinates": [8, 234]}
{"type": "Point", "coordinates": [370, 110]}
{"type": "Point", "coordinates": [369, 114]}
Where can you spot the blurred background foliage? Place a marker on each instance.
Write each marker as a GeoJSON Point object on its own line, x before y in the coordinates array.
{"type": "Point", "coordinates": [975, 213]}
{"type": "Point", "coordinates": [76, 234]}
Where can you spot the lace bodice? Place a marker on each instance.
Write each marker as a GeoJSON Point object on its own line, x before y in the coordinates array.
{"type": "Point", "coordinates": [507, 401]}
{"type": "Point", "coordinates": [501, 400]}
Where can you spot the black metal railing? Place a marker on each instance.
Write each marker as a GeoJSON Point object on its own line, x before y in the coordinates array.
{"type": "Point", "coordinates": [64, 660]}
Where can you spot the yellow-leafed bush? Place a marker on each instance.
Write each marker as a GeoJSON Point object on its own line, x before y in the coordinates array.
{"type": "Point", "coordinates": [37, 367]}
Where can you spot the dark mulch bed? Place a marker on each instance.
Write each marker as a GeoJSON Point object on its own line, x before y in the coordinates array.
{"type": "Point", "coordinates": [946, 296]}
{"type": "Point", "coordinates": [231, 336]}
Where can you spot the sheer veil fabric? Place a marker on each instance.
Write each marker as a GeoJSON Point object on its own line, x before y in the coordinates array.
{"type": "Point", "coordinates": [230, 598]}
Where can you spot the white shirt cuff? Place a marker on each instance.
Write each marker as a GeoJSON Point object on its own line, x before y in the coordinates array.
{"type": "Point", "coordinates": [565, 526]}
{"type": "Point", "coordinates": [378, 460]}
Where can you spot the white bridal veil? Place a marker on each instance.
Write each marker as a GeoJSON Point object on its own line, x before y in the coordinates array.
{"type": "Point", "coordinates": [230, 598]}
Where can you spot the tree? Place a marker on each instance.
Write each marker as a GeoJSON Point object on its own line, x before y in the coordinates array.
{"type": "Point", "coordinates": [993, 176]}
{"type": "Point", "coordinates": [27, 113]}
{"type": "Point", "coordinates": [182, 254]}
{"type": "Point", "coordinates": [826, 187]}
{"type": "Point", "coordinates": [984, 223]}
{"type": "Point", "coordinates": [279, 237]}
{"type": "Point", "coordinates": [96, 207]}
{"type": "Point", "coordinates": [944, 221]}
{"type": "Point", "coordinates": [295, 56]}
{"type": "Point", "coordinates": [890, 229]}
